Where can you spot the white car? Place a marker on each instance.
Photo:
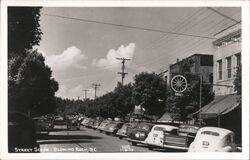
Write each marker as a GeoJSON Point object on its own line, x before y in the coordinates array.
{"type": "Point", "coordinates": [213, 139]}
{"type": "Point", "coordinates": [156, 135]}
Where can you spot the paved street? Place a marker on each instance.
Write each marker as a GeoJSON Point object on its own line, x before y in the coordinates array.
{"type": "Point", "coordinates": [85, 140]}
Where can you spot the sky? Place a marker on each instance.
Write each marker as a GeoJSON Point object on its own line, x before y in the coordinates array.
{"type": "Point", "coordinates": [82, 52]}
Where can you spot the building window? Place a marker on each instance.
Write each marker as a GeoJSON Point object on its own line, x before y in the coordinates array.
{"type": "Point", "coordinates": [238, 60]}
{"type": "Point", "coordinates": [220, 69]}
{"type": "Point", "coordinates": [229, 67]}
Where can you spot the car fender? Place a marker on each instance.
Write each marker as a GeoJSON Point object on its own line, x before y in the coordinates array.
{"type": "Point", "coordinates": [191, 147]}
{"type": "Point", "coordinates": [226, 149]}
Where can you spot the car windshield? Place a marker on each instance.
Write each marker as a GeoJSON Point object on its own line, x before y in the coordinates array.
{"type": "Point", "coordinates": [144, 126]}
{"type": "Point", "coordinates": [184, 128]}
{"type": "Point", "coordinates": [210, 133]}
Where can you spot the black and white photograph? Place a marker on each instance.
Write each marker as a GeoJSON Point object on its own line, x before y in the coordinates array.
{"type": "Point", "coordinates": [126, 79]}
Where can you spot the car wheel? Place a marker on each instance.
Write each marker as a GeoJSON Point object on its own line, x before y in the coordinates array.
{"type": "Point", "coordinates": [120, 137]}
{"type": "Point", "coordinates": [134, 143]}
{"type": "Point", "coordinates": [100, 131]}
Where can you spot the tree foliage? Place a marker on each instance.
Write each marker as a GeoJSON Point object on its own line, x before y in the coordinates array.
{"type": "Point", "coordinates": [238, 81]}
{"type": "Point", "coordinates": [30, 84]}
{"type": "Point", "coordinates": [149, 91]}
{"type": "Point", "coordinates": [31, 87]}
{"type": "Point", "coordinates": [23, 29]}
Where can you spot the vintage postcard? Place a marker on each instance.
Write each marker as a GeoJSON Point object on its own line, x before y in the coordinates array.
{"type": "Point", "coordinates": [124, 79]}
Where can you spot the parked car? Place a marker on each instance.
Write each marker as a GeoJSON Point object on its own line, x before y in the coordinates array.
{"type": "Point", "coordinates": [140, 133]}
{"type": "Point", "coordinates": [42, 125]}
{"type": "Point", "coordinates": [213, 139]}
{"type": "Point", "coordinates": [97, 123]}
{"type": "Point", "coordinates": [72, 122]}
{"type": "Point", "coordinates": [85, 121]}
{"type": "Point", "coordinates": [155, 137]}
{"type": "Point", "coordinates": [90, 123]}
{"type": "Point", "coordinates": [122, 133]}
{"type": "Point", "coordinates": [21, 133]}
{"type": "Point", "coordinates": [113, 127]}
{"type": "Point", "coordinates": [180, 139]}
{"type": "Point", "coordinates": [132, 126]}
{"type": "Point", "coordinates": [59, 120]}
{"type": "Point", "coordinates": [103, 125]}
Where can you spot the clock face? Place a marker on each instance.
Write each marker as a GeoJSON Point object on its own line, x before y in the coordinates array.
{"type": "Point", "coordinates": [179, 83]}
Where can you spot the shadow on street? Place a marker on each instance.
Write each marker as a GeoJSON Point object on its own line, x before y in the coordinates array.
{"type": "Point", "coordinates": [50, 139]}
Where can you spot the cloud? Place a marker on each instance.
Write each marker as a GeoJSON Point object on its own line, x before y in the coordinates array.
{"type": "Point", "coordinates": [110, 61]}
{"type": "Point", "coordinates": [71, 93]}
{"type": "Point", "coordinates": [70, 58]}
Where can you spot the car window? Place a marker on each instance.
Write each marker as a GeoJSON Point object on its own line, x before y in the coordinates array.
{"type": "Point", "coordinates": [159, 129]}
{"type": "Point", "coordinates": [210, 133]}
{"type": "Point", "coordinates": [144, 126]}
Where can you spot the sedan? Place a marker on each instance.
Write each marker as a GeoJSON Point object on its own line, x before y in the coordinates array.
{"type": "Point", "coordinates": [213, 139]}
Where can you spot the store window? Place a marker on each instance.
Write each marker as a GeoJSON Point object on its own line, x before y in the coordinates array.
{"type": "Point", "coordinates": [238, 60]}
{"type": "Point", "coordinates": [219, 69]}
{"type": "Point", "coordinates": [229, 67]}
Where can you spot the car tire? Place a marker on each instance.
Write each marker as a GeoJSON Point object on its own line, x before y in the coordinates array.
{"type": "Point", "coordinates": [150, 147]}
{"type": "Point", "coordinates": [120, 137]}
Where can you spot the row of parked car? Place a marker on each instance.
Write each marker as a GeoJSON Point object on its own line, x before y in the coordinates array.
{"type": "Point", "coordinates": [182, 137]}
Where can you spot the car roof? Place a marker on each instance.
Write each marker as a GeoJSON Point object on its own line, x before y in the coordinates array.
{"type": "Point", "coordinates": [168, 127]}
{"type": "Point", "coordinates": [222, 131]}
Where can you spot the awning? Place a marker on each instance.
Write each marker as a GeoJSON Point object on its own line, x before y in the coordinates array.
{"type": "Point", "coordinates": [220, 105]}
{"type": "Point", "coordinates": [166, 117]}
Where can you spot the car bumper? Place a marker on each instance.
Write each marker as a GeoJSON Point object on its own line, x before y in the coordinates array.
{"type": "Point", "coordinates": [135, 140]}
{"type": "Point", "coordinates": [121, 135]}
{"type": "Point", "coordinates": [175, 147]}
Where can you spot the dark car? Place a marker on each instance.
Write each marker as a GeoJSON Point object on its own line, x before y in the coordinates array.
{"type": "Point", "coordinates": [97, 123]}
{"type": "Point", "coordinates": [21, 133]}
{"type": "Point", "coordinates": [72, 122]}
{"type": "Point", "coordinates": [103, 125]}
{"type": "Point", "coordinates": [59, 120]}
{"type": "Point", "coordinates": [42, 125]}
{"type": "Point", "coordinates": [122, 133]}
{"type": "Point", "coordinates": [113, 127]}
{"type": "Point", "coordinates": [140, 133]}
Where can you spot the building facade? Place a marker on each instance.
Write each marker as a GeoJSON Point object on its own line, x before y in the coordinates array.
{"type": "Point", "coordinates": [227, 59]}
{"type": "Point", "coordinates": [200, 64]}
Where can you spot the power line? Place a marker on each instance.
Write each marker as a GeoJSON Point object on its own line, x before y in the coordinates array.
{"type": "Point", "coordinates": [223, 14]}
{"type": "Point", "coordinates": [127, 26]}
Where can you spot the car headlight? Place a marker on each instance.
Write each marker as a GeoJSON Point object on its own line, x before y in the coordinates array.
{"type": "Point", "coordinates": [123, 131]}
{"type": "Point", "coordinates": [111, 128]}
{"type": "Point", "coordinates": [137, 135]}
{"type": "Point", "coordinates": [142, 134]}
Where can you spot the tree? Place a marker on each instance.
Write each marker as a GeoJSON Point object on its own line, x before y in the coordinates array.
{"type": "Point", "coordinates": [123, 100]}
{"type": "Point", "coordinates": [237, 81]}
{"type": "Point", "coordinates": [149, 91]}
{"type": "Point", "coordinates": [31, 87]}
{"type": "Point", "coordinates": [23, 30]}
{"type": "Point", "coordinates": [183, 105]}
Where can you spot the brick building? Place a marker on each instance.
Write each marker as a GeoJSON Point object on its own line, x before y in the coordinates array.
{"type": "Point", "coordinates": [200, 64]}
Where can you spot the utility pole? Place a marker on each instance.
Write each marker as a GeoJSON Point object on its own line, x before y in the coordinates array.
{"type": "Point", "coordinates": [85, 90]}
{"type": "Point", "coordinates": [95, 85]}
{"type": "Point", "coordinates": [123, 67]}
